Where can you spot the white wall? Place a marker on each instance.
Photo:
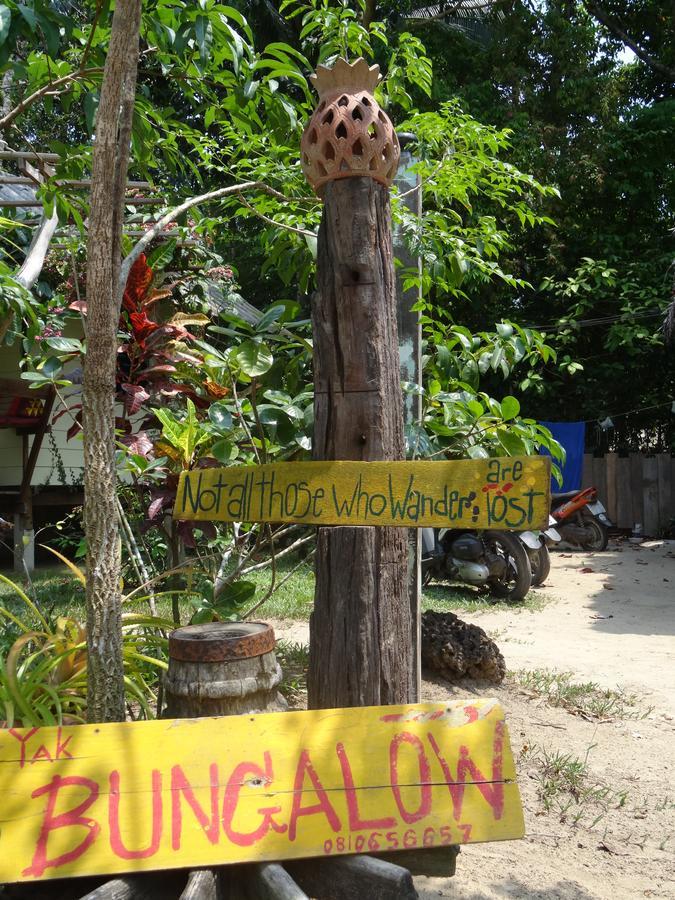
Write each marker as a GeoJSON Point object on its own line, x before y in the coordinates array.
{"type": "Point", "coordinates": [11, 442]}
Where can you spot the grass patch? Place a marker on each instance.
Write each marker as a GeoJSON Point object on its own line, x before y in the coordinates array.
{"type": "Point", "coordinates": [444, 597]}
{"type": "Point", "coordinates": [586, 698]}
{"type": "Point", "coordinates": [57, 592]}
{"type": "Point", "coordinates": [566, 787]}
{"type": "Point", "coordinates": [293, 659]}
{"type": "Point", "coordinates": [294, 598]}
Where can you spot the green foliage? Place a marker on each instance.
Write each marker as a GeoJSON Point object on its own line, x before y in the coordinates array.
{"type": "Point", "coordinates": [43, 672]}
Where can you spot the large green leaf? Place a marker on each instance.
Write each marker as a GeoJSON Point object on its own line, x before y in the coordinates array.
{"type": "Point", "coordinates": [5, 22]}
{"type": "Point", "coordinates": [254, 358]}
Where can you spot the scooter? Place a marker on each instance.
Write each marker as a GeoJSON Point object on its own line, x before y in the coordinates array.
{"type": "Point", "coordinates": [496, 560]}
{"type": "Point", "coordinates": [536, 545]}
{"type": "Point", "coordinates": [581, 518]}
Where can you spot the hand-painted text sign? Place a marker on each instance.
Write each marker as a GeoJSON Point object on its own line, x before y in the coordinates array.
{"type": "Point", "coordinates": [508, 493]}
{"type": "Point", "coordinates": [101, 799]}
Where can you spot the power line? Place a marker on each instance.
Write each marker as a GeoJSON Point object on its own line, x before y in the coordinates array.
{"type": "Point", "coordinates": [631, 411]}
{"type": "Point", "coordinates": [600, 320]}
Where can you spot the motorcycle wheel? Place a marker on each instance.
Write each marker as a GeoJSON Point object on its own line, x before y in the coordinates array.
{"type": "Point", "coordinates": [599, 537]}
{"type": "Point", "coordinates": [540, 562]}
{"type": "Point", "coordinates": [517, 580]}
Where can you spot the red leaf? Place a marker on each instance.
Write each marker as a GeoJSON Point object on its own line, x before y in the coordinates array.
{"type": "Point", "coordinates": [138, 443]}
{"type": "Point", "coordinates": [138, 282]}
{"type": "Point", "coordinates": [136, 396]}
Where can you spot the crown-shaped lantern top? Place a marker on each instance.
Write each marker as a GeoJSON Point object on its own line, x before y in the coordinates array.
{"type": "Point", "coordinates": [345, 77]}
{"type": "Point", "coordinates": [348, 134]}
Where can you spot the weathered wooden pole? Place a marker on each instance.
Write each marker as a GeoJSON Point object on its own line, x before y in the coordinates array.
{"type": "Point", "coordinates": [361, 649]}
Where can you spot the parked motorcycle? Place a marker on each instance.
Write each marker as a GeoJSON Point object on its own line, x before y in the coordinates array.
{"type": "Point", "coordinates": [581, 518]}
{"type": "Point", "coordinates": [496, 560]}
{"type": "Point", "coordinates": [536, 546]}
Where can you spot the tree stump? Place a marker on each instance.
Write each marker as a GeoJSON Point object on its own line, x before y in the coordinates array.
{"type": "Point", "coordinates": [222, 669]}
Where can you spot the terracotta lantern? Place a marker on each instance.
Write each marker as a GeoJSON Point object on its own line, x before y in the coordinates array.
{"type": "Point", "coordinates": [348, 135]}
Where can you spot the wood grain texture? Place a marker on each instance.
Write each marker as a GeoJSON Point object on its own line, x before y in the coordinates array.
{"type": "Point", "coordinates": [358, 415]}
{"type": "Point", "coordinates": [624, 501]}
{"type": "Point", "coordinates": [650, 495]}
{"type": "Point", "coordinates": [198, 793]}
{"type": "Point", "coordinates": [202, 884]}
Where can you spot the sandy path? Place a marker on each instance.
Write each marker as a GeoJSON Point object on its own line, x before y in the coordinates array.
{"type": "Point", "coordinates": [614, 625]}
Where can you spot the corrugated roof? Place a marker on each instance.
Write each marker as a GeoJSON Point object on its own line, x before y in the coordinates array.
{"type": "Point", "coordinates": [15, 192]}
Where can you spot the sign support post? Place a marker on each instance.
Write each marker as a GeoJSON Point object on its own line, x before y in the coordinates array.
{"type": "Point", "coordinates": [361, 629]}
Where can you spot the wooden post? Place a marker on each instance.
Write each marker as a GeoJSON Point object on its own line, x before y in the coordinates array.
{"type": "Point", "coordinates": [361, 629]}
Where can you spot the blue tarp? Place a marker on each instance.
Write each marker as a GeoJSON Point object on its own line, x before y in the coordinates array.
{"type": "Point", "coordinates": [572, 436]}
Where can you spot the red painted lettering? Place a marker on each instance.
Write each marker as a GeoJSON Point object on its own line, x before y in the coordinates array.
{"type": "Point", "coordinates": [70, 818]}
{"type": "Point", "coordinates": [356, 823]}
{"type": "Point", "coordinates": [116, 844]}
{"type": "Point", "coordinates": [41, 753]}
{"type": "Point", "coordinates": [492, 790]}
{"type": "Point", "coordinates": [180, 785]}
{"type": "Point", "coordinates": [61, 752]}
{"type": "Point", "coordinates": [231, 799]}
{"type": "Point", "coordinates": [424, 807]}
{"type": "Point", "coordinates": [323, 806]}
{"type": "Point", "coordinates": [22, 741]}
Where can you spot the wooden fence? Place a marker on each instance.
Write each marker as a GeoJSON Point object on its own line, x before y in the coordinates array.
{"type": "Point", "coordinates": [634, 488]}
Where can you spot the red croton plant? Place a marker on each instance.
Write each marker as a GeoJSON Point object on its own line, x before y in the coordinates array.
{"type": "Point", "coordinates": [155, 363]}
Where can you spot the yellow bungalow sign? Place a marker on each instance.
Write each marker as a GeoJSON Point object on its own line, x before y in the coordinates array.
{"type": "Point", "coordinates": [100, 799]}
{"type": "Point", "coordinates": [511, 493]}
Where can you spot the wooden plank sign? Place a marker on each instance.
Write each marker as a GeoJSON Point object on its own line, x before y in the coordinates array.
{"type": "Point", "coordinates": [510, 493]}
{"type": "Point", "coordinates": [127, 797]}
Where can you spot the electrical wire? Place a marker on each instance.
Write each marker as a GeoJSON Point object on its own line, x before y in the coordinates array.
{"type": "Point", "coordinates": [600, 320]}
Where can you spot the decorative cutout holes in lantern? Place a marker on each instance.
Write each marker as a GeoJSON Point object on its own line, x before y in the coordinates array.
{"type": "Point", "coordinates": [305, 159]}
{"type": "Point", "coordinates": [313, 136]}
{"type": "Point", "coordinates": [344, 166]}
{"type": "Point", "coordinates": [328, 118]}
{"type": "Point", "coordinates": [328, 150]}
{"type": "Point", "coordinates": [343, 101]}
{"type": "Point", "coordinates": [356, 113]}
{"type": "Point", "coordinates": [322, 169]}
{"type": "Point", "coordinates": [341, 130]}
{"type": "Point", "coordinates": [386, 152]}
{"type": "Point", "coordinates": [357, 147]}
{"type": "Point", "coordinates": [365, 101]}
{"type": "Point", "coordinates": [321, 106]}
{"type": "Point", "coordinates": [381, 116]}
{"type": "Point", "coordinates": [372, 131]}
{"type": "Point", "coordinates": [372, 165]}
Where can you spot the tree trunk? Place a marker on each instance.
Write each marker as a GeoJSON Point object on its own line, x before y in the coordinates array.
{"type": "Point", "coordinates": [360, 630]}
{"type": "Point", "coordinates": [108, 182]}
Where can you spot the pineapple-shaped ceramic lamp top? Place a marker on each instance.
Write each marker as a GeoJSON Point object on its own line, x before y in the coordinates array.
{"type": "Point", "coordinates": [348, 135]}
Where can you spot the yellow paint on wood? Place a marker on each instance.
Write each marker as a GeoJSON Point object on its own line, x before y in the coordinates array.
{"type": "Point", "coordinates": [104, 799]}
{"type": "Point", "coordinates": [508, 493]}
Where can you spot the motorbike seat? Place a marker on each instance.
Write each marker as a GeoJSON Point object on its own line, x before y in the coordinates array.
{"type": "Point", "coordinates": [567, 495]}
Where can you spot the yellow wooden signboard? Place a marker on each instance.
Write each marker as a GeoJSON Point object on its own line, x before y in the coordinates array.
{"type": "Point", "coordinates": [104, 799]}
{"type": "Point", "coordinates": [510, 493]}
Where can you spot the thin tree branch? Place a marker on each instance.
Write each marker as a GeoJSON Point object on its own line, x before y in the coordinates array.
{"type": "Point", "coordinates": [283, 581]}
{"type": "Point", "coordinates": [29, 272]}
{"type": "Point", "coordinates": [611, 25]}
{"type": "Point", "coordinates": [269, 221]}
{"type": "Point", "coordinates": [172, 214]}
{"type": "Point", "coordinates": [52, 87]}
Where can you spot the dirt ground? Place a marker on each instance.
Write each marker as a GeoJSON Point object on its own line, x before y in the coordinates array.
{"type": "Point", "coordinates": [610, 834]}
